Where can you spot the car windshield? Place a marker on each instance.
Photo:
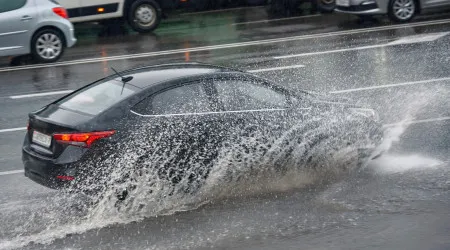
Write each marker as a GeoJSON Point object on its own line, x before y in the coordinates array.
{"type": "Point", "coordinates": [98, 97]}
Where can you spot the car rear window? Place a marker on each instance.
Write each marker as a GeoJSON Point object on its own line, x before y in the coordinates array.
{"type": "Point", "coordinates": [98, 97]}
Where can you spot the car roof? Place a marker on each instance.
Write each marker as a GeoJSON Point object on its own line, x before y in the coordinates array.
{"type": "Point", "coordinates": [147, 76]}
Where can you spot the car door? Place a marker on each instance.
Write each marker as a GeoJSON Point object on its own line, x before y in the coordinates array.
{"type": "Point", "coordinates": [258, 117]}
{"type": "Point", "coordinates": [17, 19]}
{"type": "Point", "coordinates": [180, 136]}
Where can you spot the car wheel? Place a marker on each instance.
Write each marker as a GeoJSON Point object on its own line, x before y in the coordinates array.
{"type": "Point", "coordinates": [402, 10]}
{"type": "Point", "coordinates": [47, 46]}
{"type": "Point", "coordinates": [326, 6]}
{"type": "Point", "coordinates": [144, 16]}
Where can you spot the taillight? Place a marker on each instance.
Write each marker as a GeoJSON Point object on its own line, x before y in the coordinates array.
{"type": "Point", "coordinates": [65, 178]}
{"type": "Point", "coordinates": [82, 139]}
{"type": "Point", "coordinates": [60, 12]}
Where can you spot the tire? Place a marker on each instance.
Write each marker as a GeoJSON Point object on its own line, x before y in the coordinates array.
{"type": "Point", "coordinates": [144, 16]}
{"type": "Point", "coordinates": [325, 6]}
{"type": "Point", "coordinates": [47, 46]}
{"type": "Point", "coordinates": [409, 7]}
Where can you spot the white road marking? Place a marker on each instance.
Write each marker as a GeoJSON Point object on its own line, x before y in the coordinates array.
{"type": "Point", "coordinates": [275, 20]}
{"type": "Point", "coordinates": [61, 92]}
{"type": "Point", "coordinates": [12, 129]}
{"type": "Point", "coordinates": [390, 85]}
{"type": "Point", "coordinates": [227, 46]}
{"type": "Point", "coordinates": [276, 68]}
{"type": "Point", "coordinates": [445, 118]}
{"type": "Point", "coordinates": [331, 51]}
{"type": "Point", "coordinates": [11, 172]}
{"type": "Point", "coordinates": [421, 38]}
{"type": "Point", "coordinates": [404, 40]}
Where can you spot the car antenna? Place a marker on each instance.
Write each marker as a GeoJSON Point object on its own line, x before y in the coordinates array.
{"type": "Point", "coordinates": [124, 79]}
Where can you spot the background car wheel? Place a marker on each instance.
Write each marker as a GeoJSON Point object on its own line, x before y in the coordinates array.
{"type": "Point", "coordinates": [47, 46]}
{"type": "Point", "coordinates": [144, 16]}
{"type": "Point", "coordinates": [402, 10]}
{"type": "Point", "coordinates": [325, 6]}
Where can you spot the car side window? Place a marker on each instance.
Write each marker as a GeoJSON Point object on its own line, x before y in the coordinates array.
{"type": "Point", "coordinates": [9, 5]}
{"type": "Point", "coordinates": [245, 95]}
{"type": "Point", "coordinates": [191, 98]}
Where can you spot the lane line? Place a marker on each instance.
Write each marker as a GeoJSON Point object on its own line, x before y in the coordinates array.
{"type": "Point", "coordinates": [446, 118]}
{"type": "Point", "coordinates": [403, 40]}
{"type": "Point", "coordinates": [390, 85]}
{"type": "Point", "coordinates": [332, 51]}
{"type": "Point", "coordinates": [276, 68]}
{"type": "Point", "coordinates": [41, 94]}
{"type": "Point", "coordinates": [11, 172]}
{"type": "Point", "coordinates": [12, 129]}
{"type": "Point", "coordinates": [276, 20]}
{"type": "Point", "coordinates": [227, 46]}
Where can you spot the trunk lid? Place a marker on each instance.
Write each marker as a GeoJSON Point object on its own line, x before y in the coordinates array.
{"type": "Point", "coordinates": [49, 120]}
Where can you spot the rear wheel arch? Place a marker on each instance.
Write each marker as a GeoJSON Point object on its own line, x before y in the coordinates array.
{"type": "Point", "coordinates": [143, 15]}
{"type": "Point", "coordinates": [51, 28]}
{"type": "Point", "coordinates": [128, 3]}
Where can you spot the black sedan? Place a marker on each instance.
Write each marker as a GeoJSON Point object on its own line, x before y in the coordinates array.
{"type": "Point", "coordinates": [180, 122]}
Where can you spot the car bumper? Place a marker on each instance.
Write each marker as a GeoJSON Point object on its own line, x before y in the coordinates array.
{"type": "Point", "coordinates": [349, 10]}
{"type": "Point", "coordinates": [363, 7]}
{"type": "Point", "coordinates": [71, 40]}
{"type": "Point", "coordinates": [45, 171]}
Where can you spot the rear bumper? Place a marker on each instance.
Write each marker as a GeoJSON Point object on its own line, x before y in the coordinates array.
{"type": "Point", "coordinates": [357, 11]}
{"type": "Point", "coordinates": [45, 171]}
{"type": "Point", "coordinates": [364, 7]}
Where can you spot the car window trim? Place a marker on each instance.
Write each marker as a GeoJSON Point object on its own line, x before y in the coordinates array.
{"type": "Point", "coordinates": [252, 81]}
{"type": "Point", "coordinates": [203, 83]}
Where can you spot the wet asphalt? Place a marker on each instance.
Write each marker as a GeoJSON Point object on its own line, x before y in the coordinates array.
{"type": "Point", "coordinates": [400, 201]}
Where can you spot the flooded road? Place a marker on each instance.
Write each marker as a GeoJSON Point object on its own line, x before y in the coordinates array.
{"type": "Point", "coordinates": [399, 201]}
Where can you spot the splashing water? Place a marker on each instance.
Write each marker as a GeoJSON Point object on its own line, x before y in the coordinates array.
{"type": "Point", "coordinates": [183, 174]}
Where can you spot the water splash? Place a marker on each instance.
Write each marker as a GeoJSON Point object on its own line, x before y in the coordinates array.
{"type": "Point", "coordinates": [182, 174]}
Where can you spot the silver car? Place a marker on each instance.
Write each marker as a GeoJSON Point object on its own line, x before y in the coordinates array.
{"type": "Point", "coordinates": [397, 10]}
{"type": "Point", "coordinates": [36, 27]}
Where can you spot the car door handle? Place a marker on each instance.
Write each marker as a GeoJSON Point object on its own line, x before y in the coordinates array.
{"type": "Point", "coordinates": [25, 18]}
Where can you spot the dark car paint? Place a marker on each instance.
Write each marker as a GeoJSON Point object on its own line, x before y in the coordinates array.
{"type": "Point", "coordinates": [42, 166]}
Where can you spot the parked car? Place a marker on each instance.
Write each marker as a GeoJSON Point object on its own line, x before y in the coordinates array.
{"type": "Point", "coordinates": [142, 15]}
{"type": "Point", "coordinates": [397, 10]}
{"type": "Point", "coordinates": [175, 119]}
{"type": "Point", "coordinates": [36, 27]}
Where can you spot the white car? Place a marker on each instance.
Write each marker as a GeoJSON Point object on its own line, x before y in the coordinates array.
{"type": "Point", "coordinates": [36, 27]}
{"type": "Point", "coordinates": [142, 15]}
{"type": "Point", "coordinates": [397, 10]}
